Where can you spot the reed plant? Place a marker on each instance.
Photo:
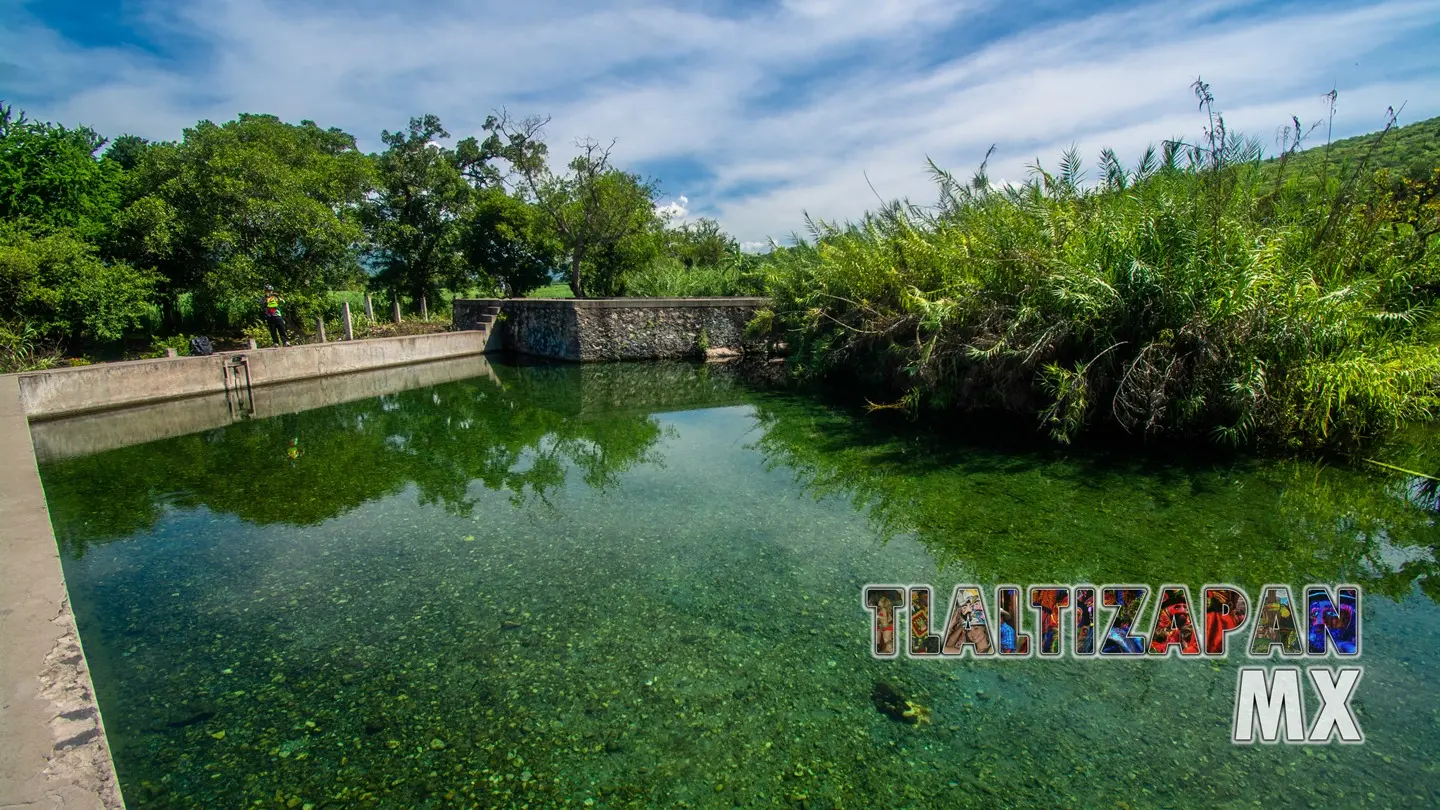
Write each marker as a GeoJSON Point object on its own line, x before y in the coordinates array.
{"type": "Point", "coordinates": [667, 277]}
{"type": "Point", "coordinates": [1201, 291]}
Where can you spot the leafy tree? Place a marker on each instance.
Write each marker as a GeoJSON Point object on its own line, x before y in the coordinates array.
{"type": "Point", "coordinates": [58, 285]}
{"type": "Point", "coordinates": [49, 175]}
{"type": "Point", "coordinates": [591, 207]}
{"type": "Point", "coordinates": [700, 243]}
{"type": "Point", "coordinates": [609, 268]}
{"type": "Point", "coordinates": [252, 201]}
{"type": "Point", "coordinates": [509, 240]}
{"type": "Point", "coordinates": [127, 151]}
{"type": "Point", "coordinates": [415, 217]}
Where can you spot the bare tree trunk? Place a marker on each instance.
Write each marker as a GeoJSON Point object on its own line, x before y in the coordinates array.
{"type": "Point", "coordinates": [575, 259]}
{"type": "Point", "coordinates": [170, 311]}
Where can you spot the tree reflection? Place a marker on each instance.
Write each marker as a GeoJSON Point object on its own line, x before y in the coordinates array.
{"type": "Point", "coordinates": [521, 436]}
{"type": "Point", "coordinates": [1039, 514]}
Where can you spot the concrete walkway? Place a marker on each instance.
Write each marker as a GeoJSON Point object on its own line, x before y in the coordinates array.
{"type": "Point", "coordinates": [53, 752]}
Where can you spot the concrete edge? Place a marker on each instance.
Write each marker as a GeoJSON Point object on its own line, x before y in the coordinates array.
{"type": "Point", "coordinates": [226, 353]}
{"type": "Point", "coordinates": [126, 425]}
{"type": "Point", "coordinates": [322, 364]}
{"type": "Point", "coordinates": [162, 398]}
{"type": "Point", "coordinates": [56, 751]}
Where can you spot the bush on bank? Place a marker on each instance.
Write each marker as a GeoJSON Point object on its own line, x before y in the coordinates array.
{"type": "Point", "coordinates": [1201, 292]}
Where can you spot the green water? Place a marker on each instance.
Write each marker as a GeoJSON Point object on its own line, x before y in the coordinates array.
{"type": "Point", "coordinates": [639, 585]}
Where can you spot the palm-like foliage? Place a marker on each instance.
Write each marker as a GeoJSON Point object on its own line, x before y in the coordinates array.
{"type": "Point", "coordinates": [1198, 291]}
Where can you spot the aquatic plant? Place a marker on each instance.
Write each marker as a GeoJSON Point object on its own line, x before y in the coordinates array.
{"type": "Point", "coordinates": [1201, 291]}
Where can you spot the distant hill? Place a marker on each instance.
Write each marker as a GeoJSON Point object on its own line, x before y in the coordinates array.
{"type": "Point", "coordinates": [1409, 151]}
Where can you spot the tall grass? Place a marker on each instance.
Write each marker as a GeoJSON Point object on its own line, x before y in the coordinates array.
{"type": "Point", "coordinates": [669, 278]}
{"type": "Point", "coordinates": [1194, 293]}
{"type": "Point", "coordinates": [22, 348]}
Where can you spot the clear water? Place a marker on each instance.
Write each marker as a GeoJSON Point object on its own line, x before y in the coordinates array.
{"type": "Point", "coordinates": [639, 585]}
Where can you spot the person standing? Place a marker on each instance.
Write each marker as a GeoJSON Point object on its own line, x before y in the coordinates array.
{"type": "Point", "coordinates": [274, 318]}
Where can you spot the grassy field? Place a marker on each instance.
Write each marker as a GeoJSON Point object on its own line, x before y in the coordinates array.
{"type": "Point", "coordinates": [558, 290]}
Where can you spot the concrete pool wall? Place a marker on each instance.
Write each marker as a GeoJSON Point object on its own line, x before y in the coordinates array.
{"type": "Point", "coordinates": [67, 391]}
{"type": "Point", "coordinates": [96, 432]}
{"type": "Point", "coordinates": [51, 732]}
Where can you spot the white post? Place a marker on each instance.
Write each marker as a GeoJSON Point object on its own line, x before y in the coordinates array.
{"type": "Point", "coordinates": [395, 309]}
{"type": "Point", "coordinates": [349, 329]}
{"type": "Point", "coordinates": [424, 311]}
{"type": "Point", "coordinates": [171, 353]}
{"type": "Point", "coordinates": [369, 308]}
{"type": "Point", "coordinates": [253, 347]}
{"type": "Point", "coordinates": [320, 328]}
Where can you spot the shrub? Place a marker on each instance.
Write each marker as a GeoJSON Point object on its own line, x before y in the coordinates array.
{"type": "Point", "coordinates": [1198, 292]}
{"type": "Point", "coordinates": [22, 349]}
{"type": "Point", "coordinates": [259, 333]}
{"type": "Point", "coordinates": [56, 282]}
{"type": "Point", "coordinates": [180, 343]}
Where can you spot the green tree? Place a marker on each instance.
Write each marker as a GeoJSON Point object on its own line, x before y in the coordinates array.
{"type": "Point", "coordinates": [127, 151]}
{"type": "Point", "coordinates": [415, 217]}
{"type": "Point", "coordinates": [252, 201]}
{"type": "Point", "coordinates": [507, 239]}
{"type": "Point", "coordinates": [49, 175]}
{"type": "Point", "coordinates": [58, 284]}
{"type": "Point", "coordinates": [700, 243]}
{"type": "Point", "coordinates": [610, 267]}
{"type": "Point", "coordinates": [591, 207]}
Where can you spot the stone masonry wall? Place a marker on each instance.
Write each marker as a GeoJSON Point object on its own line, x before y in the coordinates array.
{"type": "Point", "coordinates": [589, 330]}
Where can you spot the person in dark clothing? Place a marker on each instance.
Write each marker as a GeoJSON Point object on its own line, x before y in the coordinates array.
{"type": "Point", "coordinates": [274, 318]}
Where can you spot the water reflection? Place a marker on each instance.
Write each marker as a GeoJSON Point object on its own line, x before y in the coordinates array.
{"type": "Point", "coordinates": [985, 512]}
{"type": "Point", "coordinates": [1033, 514]}
{"type": "Point", "coordinates": [516, 429]}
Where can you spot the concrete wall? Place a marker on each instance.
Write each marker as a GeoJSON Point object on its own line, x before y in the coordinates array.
{"type": "Point", "coordinates": [67, 391]}
{"type": "Point", "coordinates": [95, 432]}
{"type": "Point", "coordinates": [595, 329]}
{"type": "Point", "coordinates": [53, 751]}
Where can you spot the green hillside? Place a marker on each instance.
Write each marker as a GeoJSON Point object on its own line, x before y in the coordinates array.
{"type": "Point", "coordinates": [1410, 151]}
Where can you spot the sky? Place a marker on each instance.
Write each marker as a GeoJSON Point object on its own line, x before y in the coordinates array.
{"type": "Point", "coordinates": [752, 112]}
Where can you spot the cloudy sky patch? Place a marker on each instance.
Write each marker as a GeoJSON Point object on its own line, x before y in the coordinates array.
{"type": "Point", "coordinates": [753, 111]}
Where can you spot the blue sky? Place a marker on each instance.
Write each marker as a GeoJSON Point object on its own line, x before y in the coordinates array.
{"type": "Point", "coordinates": [755, 111]}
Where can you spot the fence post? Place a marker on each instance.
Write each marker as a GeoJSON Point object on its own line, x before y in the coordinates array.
{"type": "Point", "coordinates": [320, 328]}
{"type": "Point", "coordinates": [171, 353]}
{"type": "Point", "coordinates": [395, 309]}
{"type": "Point", "coordinates": [369, 308]}
{"type": "Point", "coordinates": [349, 329]}
{"type": "Point", "coordinates": [424, 311]}
{"type": "Point", "coordinates": [253, 347]}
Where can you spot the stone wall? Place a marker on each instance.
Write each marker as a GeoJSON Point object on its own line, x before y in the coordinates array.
{"type": "Point", "coordinates": [596, 329]}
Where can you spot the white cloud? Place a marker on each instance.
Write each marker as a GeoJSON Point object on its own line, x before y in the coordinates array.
{"type": "Point", "coordinates": [780, 111]}
{"type": "Point", "coordinates": [674, 211]}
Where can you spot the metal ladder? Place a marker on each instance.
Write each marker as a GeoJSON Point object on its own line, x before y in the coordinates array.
{"type": "Point", "coordinates": [241, 400]}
